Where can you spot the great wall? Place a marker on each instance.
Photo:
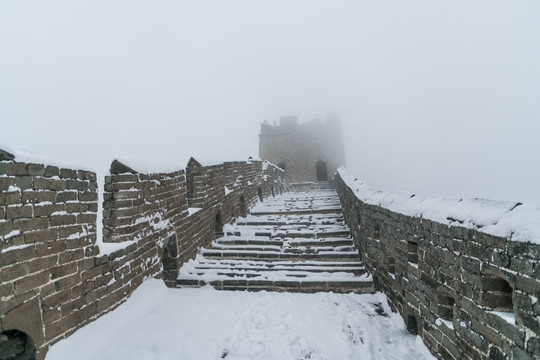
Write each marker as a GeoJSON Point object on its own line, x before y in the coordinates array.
{"type": "Point", "coordinates": [467, 293]}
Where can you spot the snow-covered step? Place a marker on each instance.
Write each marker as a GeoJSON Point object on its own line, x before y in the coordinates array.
{"type": "Point", "coordinates": [290, 285]}
{"type": "Point", "coordinates": [286, 249]}
{"type": "Point", "coordinates": [254, 255]}
{"type": "Point", "coordinates": [308, 264]}
{"type": "Point", "coordinates": [288, 242]}
{"type": "Point", "coordinates": [297, 242]}
{"type": "Point", "coordinates": [240, 271]}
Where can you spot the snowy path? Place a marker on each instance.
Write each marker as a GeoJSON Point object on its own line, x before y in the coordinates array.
{"type": "Point", "coordinates": [295, 242]}
{"type": "Point", "coordinates": [158, 323]}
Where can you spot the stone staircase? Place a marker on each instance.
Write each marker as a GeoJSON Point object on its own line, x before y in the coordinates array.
{"type": "Point", "coordinates": [295, 242]}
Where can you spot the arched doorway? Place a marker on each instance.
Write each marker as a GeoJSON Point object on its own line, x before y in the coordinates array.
{"type": "Point", "coordinates": [322, 172]}
{"type": "Point", "coordinates": [243, 212]}
{"type": "Point", "coordinates": [15, 344]}
{"type": "Point", "coordinates": [219, 225]}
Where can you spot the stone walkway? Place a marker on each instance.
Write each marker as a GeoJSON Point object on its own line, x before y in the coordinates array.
{"type": "Point", "coordinates": [296, 242]}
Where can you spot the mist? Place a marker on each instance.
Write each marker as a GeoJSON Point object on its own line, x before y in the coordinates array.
{"type": "Point", "coordinates": [436, 98]}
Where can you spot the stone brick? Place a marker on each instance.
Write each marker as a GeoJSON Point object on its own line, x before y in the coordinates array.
{"type": "Point", "coordinates": [43, 235]}
{"type": "Point", "coordinates": [12, 169]}
{"type": "Point", "coordinates": [31, 224]}
{"type": "Point", "coordinates": [17, 255]}
{"type": "Point", "coordinates": [58, 220]}
{"type": "Point", "coordinates": [51, 171]}
{"type": "Point", "coordinates": [527, 285]}
{"type": "Point", "coordinates": [50, 248]}
{"type": "Point", "coordinates": [6, 227]}
{"type": "Point", "coordinates": [18, 212]}
{"type": "Point", "coordinates": [88, 196]}
{"type": "Point", "coordinates": [35, 169]}
{"type": "Point", "coordinates": [67, 282]}
{"type": "Point", "coordinates": [6, 289]}
{"type": "Point", "coordinates": [10, 198]}
{"type": "Point", "coordinates": [38, 196]}
{"type": "Point", "coordinates": [47, 210]}
{"type": "Point", "coordinates": [86, 218]}
{"type": "Point", "coordinates": [76, 207]}
{"type": "Point", "coordinates": [42, 263]}
{"type": "Point", "coordinates": [68, 174]}
{"type": "Point", "coordinates": [49, 184]}
{"type": "Point", "coordinates": [63, 270]}
{"type": "Point", "coordinates": [71, 255]}
{"type": "Point", "coordinates": [14, 271]}
{"type": "Point", "coordinates": [65, 196]}
{"type": "Point", "coordinates": [77, 185]}
{"type": "Point", "coordinates": [31, 282]}
{"type": "Point", "coordinates": [24, 182]}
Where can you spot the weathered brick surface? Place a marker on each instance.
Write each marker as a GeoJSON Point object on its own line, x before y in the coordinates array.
{"type": "Point", "coordinates": [433, 272]}
{"type": "Point", "coordinates": [48, 244]}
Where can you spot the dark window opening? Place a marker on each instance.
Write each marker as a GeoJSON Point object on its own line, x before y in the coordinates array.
{"type": "Point", "coordinates": [169, 268]}
{"type": "Point", "coordinates": [446, 307]}
{"type": "Point", "coordinates": [282, 166]}
{"type": "Point", "coordinates": [15, 344]}
{"type": "Point", "coordinates": [497, 294]}
{"type": "Point", "coordinates": [259, 191]}
{"type": "Point", "coordinates": [322, 172]}
{"type": "Point", "coordinates": [219, 225]}
{"type": "Point", "coordinates": [376, 232]}
{"type": "Point", "coordinates": [242, 207]}
{"type": "Point", "coordinates": [391, 265]}
{"type": "Point", "coordinates": [412, 252]}
{"type": "Point", "coordinates": [412, 324]}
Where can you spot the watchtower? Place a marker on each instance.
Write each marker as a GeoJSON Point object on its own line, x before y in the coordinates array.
{"type": "Point", "coordinates": [308, 152]}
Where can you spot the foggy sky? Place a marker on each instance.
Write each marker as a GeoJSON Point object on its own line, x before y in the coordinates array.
{"type": "Point", "coordinates": [437, 98]}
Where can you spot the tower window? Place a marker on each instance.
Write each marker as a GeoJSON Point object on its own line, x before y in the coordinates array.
{"type": "Point", "coordinates": [322, 172]}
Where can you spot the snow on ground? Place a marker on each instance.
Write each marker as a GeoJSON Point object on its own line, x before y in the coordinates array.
{"type": "Point", "coordinates": [520, 222]}
{"type": "Point", "coordinates": [158, 323]}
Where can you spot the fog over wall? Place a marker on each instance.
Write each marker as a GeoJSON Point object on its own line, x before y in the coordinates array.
{"type": "Point", "coordinates": [437, 98]}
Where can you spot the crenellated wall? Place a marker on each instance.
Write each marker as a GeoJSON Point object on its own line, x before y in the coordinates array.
{"type": "Point", "coordinates": [468, 294]}
{"type": "Point", "coordinates": [57, 276]}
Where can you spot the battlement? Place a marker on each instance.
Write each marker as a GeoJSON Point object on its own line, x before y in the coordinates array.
{"type": "Point", "coordinates": [58, 276]}
{"type": "Point", "coordinates": [290, 124]}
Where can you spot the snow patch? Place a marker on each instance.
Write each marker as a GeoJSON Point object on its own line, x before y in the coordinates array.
{"type": "Point", "coordinates": [520, 222]}
{"type": "Point", "coordinates": [262, 325]}
{"type": "Point", "coordinates": [16, 247]}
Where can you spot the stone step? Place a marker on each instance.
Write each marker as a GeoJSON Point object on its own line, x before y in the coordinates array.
{"type": "Point", "coordinates": [296, 243]}
{"type": "Point", "coordinates": [333, 210]}
{"type": "Point", "coordinates": [359, 287]}
{"type": "Point", "coordinates": [202, 269]}
{"type": "Point", "coordinates": [303, 234]}
{"type": "Point", "coordinates": [289, 250]}
{"type": "Point", "coordinates": [269, 264]}
{"type": "Point", "coordinates": [275, 242]}
{"type": "Point", "coordinates": [254, 255]}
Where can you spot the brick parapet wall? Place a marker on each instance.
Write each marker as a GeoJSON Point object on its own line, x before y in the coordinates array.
{"type": "Point", "coordinates": [54, 277]}
{"type": "Point", "coordinates": [447, 281]}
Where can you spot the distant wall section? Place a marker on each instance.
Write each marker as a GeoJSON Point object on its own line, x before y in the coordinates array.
{"type": "Point", "coordinates": [309, 152]}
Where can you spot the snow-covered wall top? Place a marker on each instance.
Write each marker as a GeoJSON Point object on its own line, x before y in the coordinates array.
{"type": "Point", "coordinates": [514, 220]}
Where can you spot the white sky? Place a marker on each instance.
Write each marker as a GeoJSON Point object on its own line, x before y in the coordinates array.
{"type": "Point", "coordinates": [438, 98]}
